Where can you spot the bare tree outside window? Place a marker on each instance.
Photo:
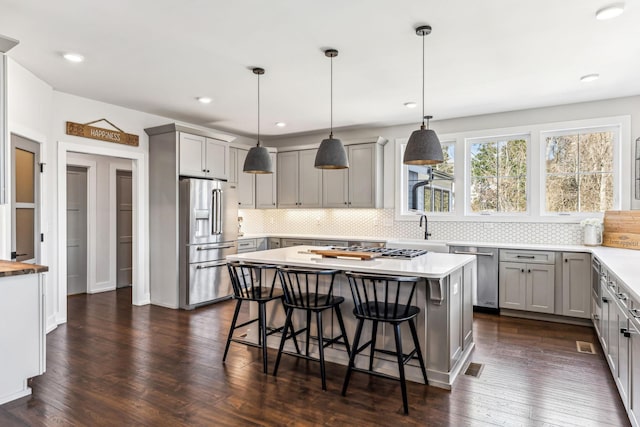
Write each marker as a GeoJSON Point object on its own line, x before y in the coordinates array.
{"type": "Point", "coordinates": [499, 175]}
{"type": "Point", "coordinates": [579, 171]}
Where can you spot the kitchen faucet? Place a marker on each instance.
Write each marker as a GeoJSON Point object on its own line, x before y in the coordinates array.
{"type": "Point", "coordinates": [426, 226]}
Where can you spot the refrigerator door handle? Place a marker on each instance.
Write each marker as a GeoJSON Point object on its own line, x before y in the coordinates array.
{"type": "Point", "coordinates": [220, 264]}
{"type": "Point", "coordinates": [211, 206]}
{"type": "Point", "coordinates": [220, 210]}
{"type": "Point", "coordinates": [215, 202]}
{"type": "Point", "coordinates": [210, 248]}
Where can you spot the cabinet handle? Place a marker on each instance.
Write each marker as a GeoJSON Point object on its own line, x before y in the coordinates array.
{"type": "Point", "coordinates": [635, 313]}
{"type": "Point", "coordinates": [566, 260]}
{"type": "Point", "coordinates": [596, 317]}
{"type": "Point", "coordinates": [625, 332]}
{"type": "Point", "coordinates": [622, 296]}
{"type": "Point", "coordinates": [529, 271]}
{"type": "Point", "coordinates": [526, 256]}
{"type": "Point", "coordinates": [522, 270]}
{"type": "Point", "coordinates": [345, 203]}
{"type": "Point", "coordinates": [611, 284]}
{"type": "Point", "coordinates": [604, 300]}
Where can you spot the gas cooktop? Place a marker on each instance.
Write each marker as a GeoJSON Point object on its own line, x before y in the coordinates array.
{"type": "Point", "coordinates": [385, 252]}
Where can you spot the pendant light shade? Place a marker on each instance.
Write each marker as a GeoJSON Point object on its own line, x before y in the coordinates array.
{"type": "Point", "coordinates": [423, 147]}
{"type": "Point", "coordinates": [258, 159]}
{"type": "Point", "coordinates": [331, 153]}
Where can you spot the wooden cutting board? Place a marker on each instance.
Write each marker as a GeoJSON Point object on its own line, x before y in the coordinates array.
{"type": "Point", "coordinates": [335, 253]}
{"type": "Point", "coordinates": [621, 229]}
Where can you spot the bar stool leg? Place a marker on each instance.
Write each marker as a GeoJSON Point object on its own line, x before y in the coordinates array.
{"type": "Point", "coordinates": [352, 358]}
{"type": "Point", "coordinates": [295, 340]}
{"type": "Point", "coordinates": [403, 384]}
{"type": "Point", "coordinates": [233, 327]}
{"type": "Point", "coordinates": [374, 334]}
{"type": "Point", "coordinates": [412, 326]}
{"type": "Point", "coordinates": [343, 330]}
{"type": "Point", "coordinates": [308, 332]}
{"type": "Point", "coordinates": [262, 321]}
{"type": "Point", "coordinates": [287, 323]}
{"type": "Point", "coordinates": [321, 349]}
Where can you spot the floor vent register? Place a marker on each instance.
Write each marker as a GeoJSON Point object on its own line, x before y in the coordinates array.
{"type": "Point", "coordinates": [585, 347]}
{"type": "Point", "coordinates": [474, 369]}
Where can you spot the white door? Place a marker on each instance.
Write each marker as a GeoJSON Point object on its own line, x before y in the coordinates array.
{"type": "Point", "coordinates": [25, 197]}
{"type": "Point", "coordinates": [124, 228]}
{"type": "Point", "coordinates": [76, 230]}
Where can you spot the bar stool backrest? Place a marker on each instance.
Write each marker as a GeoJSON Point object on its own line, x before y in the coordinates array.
{"type": "Point", "coordinates": [305, 288]}
{"type": "Point", "coordinates": [248, 280]}
{"type": "Point", "coordinates": [382, 297]}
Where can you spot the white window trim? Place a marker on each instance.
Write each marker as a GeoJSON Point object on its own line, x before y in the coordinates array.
{"type": "Point", "coordinates": [535, 175]}
{"type": "Point", "coordinates": [612, 123]}
{"type": "Point", "coordinates": [467, 158]}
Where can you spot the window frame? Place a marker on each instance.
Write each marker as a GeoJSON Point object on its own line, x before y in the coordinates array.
{"type": "Point", "coordinates": [618, 130]}
{"type": "Point", "coordinates": [536, 172]}
{"type": "Point", "coordinates": [468, 177]}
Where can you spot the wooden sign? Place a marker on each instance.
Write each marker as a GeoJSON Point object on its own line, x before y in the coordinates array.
{"type": "Point", "coordinates": [118, 136]}
{"type": "Point", "coordinates": [622, 229]}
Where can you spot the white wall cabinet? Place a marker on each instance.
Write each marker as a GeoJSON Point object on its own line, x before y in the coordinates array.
{"type": "Point", "coordinates": [359, 186]}
{"type": "Point", "coordinates": [203, 157]}
{"type": "Point", "coordinates": [576, 284]}
{"type": "Point", "coordinates": [246, 182]}
{"type": "Point", "coordinates": [299, 182]}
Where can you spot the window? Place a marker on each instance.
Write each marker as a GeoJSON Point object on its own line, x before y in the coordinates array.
{"type": "Point", "coordinates": [431, 188]}
{"type": "Point", "coordinates": [579, 170]}
{"type": "Point", "coordinates": [498, 174]}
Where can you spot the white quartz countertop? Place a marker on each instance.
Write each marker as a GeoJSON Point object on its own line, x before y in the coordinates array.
{"type": "Point", "coordinates": [432, 265]}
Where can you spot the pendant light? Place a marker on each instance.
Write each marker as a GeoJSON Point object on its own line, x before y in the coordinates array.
{"type": "Point", "coordinates": [331, 154]}
{"type": "Point", "coordinates": [424, 146]}
{"type": "Point", "coordinates": [258, 159]}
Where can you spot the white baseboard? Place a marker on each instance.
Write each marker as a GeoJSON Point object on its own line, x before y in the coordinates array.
{"type": "Point", "coordinates": [102, 287]}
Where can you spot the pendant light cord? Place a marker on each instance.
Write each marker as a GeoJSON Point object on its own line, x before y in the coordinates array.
{"type": "Point", "coordinates": [423, 81]}
{"type": "Point", "coordinates": [331, 98]}
{"type": "Point", "coordinates": [258, 110]}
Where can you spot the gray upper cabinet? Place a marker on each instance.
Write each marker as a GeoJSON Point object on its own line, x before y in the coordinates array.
{"type": "Point", "coordinates": [246, 182]}
{"type": "Point", "coordinates": [299, 182]}
{"type": "Point", "coordinates": [266, 187]}
{"type": "Point", "coordinates": [203, 157]}
{"type": "Point", "coordinates": [360, 186]}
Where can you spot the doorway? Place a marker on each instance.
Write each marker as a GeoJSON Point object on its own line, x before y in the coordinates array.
{"type": "Point", "coordinates": [124, 229]}
{"type": "Point", "coordinates": [76, 230]}
{"type": "Point", "coordinates": [25, 200]}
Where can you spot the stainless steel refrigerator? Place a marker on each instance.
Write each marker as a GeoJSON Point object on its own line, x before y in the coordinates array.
{"type": "Point", "coordinates": [208, 219]}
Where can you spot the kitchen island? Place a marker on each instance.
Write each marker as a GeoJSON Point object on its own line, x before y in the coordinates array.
{"type": "Point", "coordinates": [445, 323]}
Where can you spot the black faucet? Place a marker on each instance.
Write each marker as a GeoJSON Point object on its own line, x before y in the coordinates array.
{"type": "Point", "coordinates": [426, 226]}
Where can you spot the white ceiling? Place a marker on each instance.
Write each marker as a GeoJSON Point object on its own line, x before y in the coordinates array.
{"type": "Point", "coordinates": [484, 56]}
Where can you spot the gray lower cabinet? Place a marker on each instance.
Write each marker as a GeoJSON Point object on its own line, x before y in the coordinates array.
{"type": "Point", "coordinates": [634, 374]}
{"type": "Point", "coordinates": [287, 243]}
{"type": "Point", "coordinates": [252, 245]}
{"type": "Point", "coordinates": [576, 284]}
{"type": "Point", "coordinates": [273, 243]}
{"type": "Point", "coordinates": [528, 287]}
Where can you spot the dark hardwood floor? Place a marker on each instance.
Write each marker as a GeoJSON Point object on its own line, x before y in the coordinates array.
{"type": "Point", "coordinates": [114, 364]}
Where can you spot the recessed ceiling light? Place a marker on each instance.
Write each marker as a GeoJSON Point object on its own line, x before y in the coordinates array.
{"type": "Point", "coordinates": [204, 100]}
{"type": "Point", "coordinates": [589, 78]}
{"type": "Point", "coordinates": [281, 124]}
{"type": "Point", "coordinates": [610, 11]}
{"type": "Point", "coordinates": [410, 104]}
{"type": "Point", "coordinates": [73, 57]}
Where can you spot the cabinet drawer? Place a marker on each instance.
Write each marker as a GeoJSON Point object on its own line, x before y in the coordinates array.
{"type": "Point", "coordinates": [247, 245]}
{"type": "Point", "coordinates": [530, 257]}
{"type": "Point", "coordinates": [287, 243]}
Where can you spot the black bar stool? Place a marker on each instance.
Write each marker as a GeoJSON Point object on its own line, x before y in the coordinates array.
{"type": "Point", "coordinates": [247, 280]}
{"type": "Point", "coordinates": [384, 299]}
{"type": "Point", "coordinates": [302, 292]}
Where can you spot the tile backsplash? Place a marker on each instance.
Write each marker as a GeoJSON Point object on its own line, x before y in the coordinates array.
{"type": "Point", "coordinates": [381, 223]}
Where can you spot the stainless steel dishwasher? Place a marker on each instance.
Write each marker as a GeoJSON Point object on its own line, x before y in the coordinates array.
{"type": "Point", "coordinates": [485, 296]}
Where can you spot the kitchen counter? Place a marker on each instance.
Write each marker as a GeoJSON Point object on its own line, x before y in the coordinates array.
{"type": "Point", "coordinates": [12, 268]}
{"type": "Point", "coordinates": [445, 322]}
{"type": "Point", "coordinates": [22, 311]}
